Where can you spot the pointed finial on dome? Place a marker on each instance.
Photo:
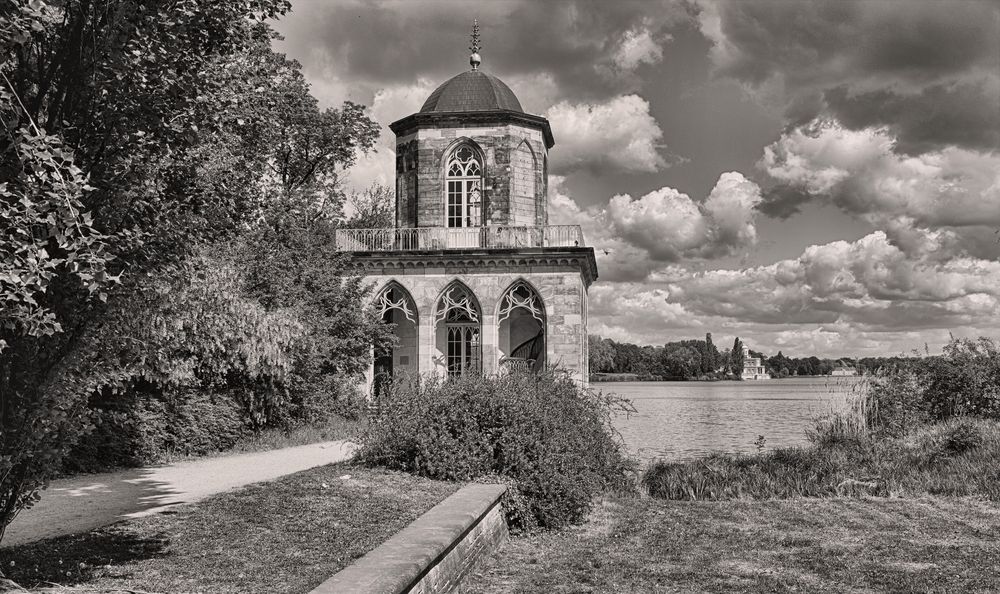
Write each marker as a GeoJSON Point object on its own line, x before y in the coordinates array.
{"type": "Point", "coordinates": [474, 59]}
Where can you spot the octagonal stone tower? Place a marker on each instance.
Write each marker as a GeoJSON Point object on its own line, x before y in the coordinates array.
{"type": "Point", "coordinates": [477, 111]}
{"type": "Point", "coordinates": [472, 277]}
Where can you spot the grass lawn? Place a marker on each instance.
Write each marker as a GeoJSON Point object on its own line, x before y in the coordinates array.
{"type": "Point", "coordinates": [282, 536]}
{"type": "Point", "coordinates": [793, 545]}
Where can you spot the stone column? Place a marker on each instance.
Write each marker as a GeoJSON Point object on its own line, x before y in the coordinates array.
{"type": "Point", "coordinates": [490, 343]}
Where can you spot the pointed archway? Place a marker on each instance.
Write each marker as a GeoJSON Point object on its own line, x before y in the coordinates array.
{"type": "Point", "coordinates": [396, 307]}
{"type": "Point", "coordinates": [521, 328]}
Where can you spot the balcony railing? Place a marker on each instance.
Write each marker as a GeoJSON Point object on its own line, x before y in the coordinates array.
{"type": "Point", "coordinates": [451, 238]}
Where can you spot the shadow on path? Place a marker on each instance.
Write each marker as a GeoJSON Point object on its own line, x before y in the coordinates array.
{"type": "Point", "coordinates": [89, 501]}
{"type": "Point", "coordinates": [79, 558]}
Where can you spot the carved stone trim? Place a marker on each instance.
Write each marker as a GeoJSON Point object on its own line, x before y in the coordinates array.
{"type": "Point", "coordinates": [385, 303]}
{"type": "Point", "coordinates": [581, 258]}
{"type": "Point", "coordinates": [527, 299]}
{"type": "Point", "coordinates": [456, 298]}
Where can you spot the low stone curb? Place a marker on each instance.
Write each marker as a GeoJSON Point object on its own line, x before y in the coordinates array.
{"type": "Point", "coordinates": [434, 553]}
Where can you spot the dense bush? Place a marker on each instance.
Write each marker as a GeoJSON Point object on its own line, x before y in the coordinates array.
{"type": "Point", "coordinates": [962, 382]}
{"type": "Point", "coordinates": [550, 439]}
{"type": "Point", "coordinates": [147, 426]}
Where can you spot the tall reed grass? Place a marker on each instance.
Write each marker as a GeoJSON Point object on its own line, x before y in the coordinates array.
{"type": "Point", "coordinates": [954, 457]}
{"type": "Point", "coordinates": [882, 441]}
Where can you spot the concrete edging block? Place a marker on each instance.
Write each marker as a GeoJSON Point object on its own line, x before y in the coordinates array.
{"type": "Point", "coordinates": [434, 552]}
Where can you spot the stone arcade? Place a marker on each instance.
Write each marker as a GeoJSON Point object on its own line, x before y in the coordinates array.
{"type": "Point", "coordinates": [472, 276]}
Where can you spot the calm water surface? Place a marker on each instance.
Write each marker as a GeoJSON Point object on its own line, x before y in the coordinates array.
{"type": "Point", "coordinates": [676, 420]}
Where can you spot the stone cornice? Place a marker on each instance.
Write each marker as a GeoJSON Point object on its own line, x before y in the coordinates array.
{"type": "Point", "coordinates": [458, 119]}
{"type": "Point", "coordinates": [473, 258]}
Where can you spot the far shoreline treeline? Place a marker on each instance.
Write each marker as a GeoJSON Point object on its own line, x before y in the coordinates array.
{"type": "Point", "coordinates": [701, 360]}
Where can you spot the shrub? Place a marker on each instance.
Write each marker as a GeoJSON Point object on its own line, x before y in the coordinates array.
{"type": "Point", "coordinates": [143, 427]}
{"type": "Point", "coordinates": [944, 441]}
{"type": "Point", "coordinates": [553, 440]}
{"type": "Point", "coordinates": [965, 381]}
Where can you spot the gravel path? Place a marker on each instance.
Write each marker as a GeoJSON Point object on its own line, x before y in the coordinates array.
{"type": "Point", "coordinates": [88, 501]}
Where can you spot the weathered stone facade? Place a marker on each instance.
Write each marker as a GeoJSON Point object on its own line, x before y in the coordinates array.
{"type": "Point", "coordinates": [515, 162]}
{"type": "Point", "coordinates": [561, 279]}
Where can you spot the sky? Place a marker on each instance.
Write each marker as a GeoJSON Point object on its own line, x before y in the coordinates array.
{"type": "Point", "coordinates": [820, 178]}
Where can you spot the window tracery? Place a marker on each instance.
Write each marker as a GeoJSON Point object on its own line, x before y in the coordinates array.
{"type": "Point", "coordinates": [393, 297]}
{"type": "Point", "coordinates": [464, 185]}
{"type": "Point", "coordinates": [460, 314]}
{"type": "Point", "coordinates": [457, 306]}
{"type": "Point", "coordinates": [521, 295]}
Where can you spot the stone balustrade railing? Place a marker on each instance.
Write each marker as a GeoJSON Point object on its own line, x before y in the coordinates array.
{"type": "Point", "coordinates": [452, 238]}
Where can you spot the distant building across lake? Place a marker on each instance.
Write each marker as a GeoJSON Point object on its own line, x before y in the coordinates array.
{"type": "Point", "coordinates": [753, 367]}
{"type": "Point", "coordinates": [844, 370]}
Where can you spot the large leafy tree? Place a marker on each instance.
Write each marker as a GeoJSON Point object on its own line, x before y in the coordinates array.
{"type": "Point", "coordinates": [132, 133]}
{"type": "Point", "coordinates": [601, 354]}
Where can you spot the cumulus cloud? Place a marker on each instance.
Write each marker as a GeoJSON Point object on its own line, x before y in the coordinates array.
{"type": "Point", "coordinates": [869, 283]}
{"type": "Point", "coordinates": [841, 298]}
{"type": "Point", "coordinates": [638, 46]}
{"type": "Point", "coordinates": [635, 237]}
{"type": "Point", "coordinates": [669, 225]}
{"type": "Point", "coordinates": [619, 133]}
{"type": "Point", "coordinates": [859, 171]}
{"type": "Point", "coordinates": [868, 64]}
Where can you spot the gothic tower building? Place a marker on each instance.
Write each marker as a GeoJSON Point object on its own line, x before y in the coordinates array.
{"type": "Point", "coordinates": [472, 276]}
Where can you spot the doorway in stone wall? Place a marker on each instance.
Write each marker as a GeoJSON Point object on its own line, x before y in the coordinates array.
{"type": "Point", "coordinates": [521, 329]}
{"type": "Point", "coordinates": [398, 309]}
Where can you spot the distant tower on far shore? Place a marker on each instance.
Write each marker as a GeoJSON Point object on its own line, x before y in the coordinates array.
{"type": "Point", "coordinates": [753, 367]}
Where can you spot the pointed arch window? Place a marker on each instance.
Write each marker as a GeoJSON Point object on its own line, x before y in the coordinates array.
{"type": "Point", "coordinates": [465, 188]}
{"type": "Point", "coordinates": [459, 312]}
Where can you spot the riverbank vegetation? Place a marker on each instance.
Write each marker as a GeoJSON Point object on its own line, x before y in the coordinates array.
{"type": "Point", "coordinates": [612, 361]}
{"type": "Point", "coordinates": [956, 457]}
{"type": "Point", "coordinates": [286, 535]}
{"type": "Point", "coordinates": [683, 360]}
{"type": "Point", "coordinates": [549, 440]}
{"type": "Point", "coordinates": [930, 428]}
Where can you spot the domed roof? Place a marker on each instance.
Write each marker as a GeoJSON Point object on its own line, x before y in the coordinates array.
{"type": "Point", "coordinates": [473, 90]}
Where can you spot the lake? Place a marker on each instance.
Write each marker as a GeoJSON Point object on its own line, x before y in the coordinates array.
{"type": "Point", "coordinates": [676, 420]}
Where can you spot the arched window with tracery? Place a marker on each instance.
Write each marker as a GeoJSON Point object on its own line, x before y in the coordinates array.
{"type": "Point", "coordinates": [459, 323]}
{"type": "Point", "coordinates": [464, 173]}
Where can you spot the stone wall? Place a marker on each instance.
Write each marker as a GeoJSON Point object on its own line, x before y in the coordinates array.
{"type": "Point", "coordinates": [421, 197]}
{"type": "Point", "coordinates": [562, 292]}
{"type": "Point", "coordinates": [434, 553]}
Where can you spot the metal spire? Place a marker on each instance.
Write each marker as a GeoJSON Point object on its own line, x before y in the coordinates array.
{"type": "Point", "coordinates": [474, 59]}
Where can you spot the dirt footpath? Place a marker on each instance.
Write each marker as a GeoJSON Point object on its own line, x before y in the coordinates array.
{"type": "Point", "coordinates": [89, 501]}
